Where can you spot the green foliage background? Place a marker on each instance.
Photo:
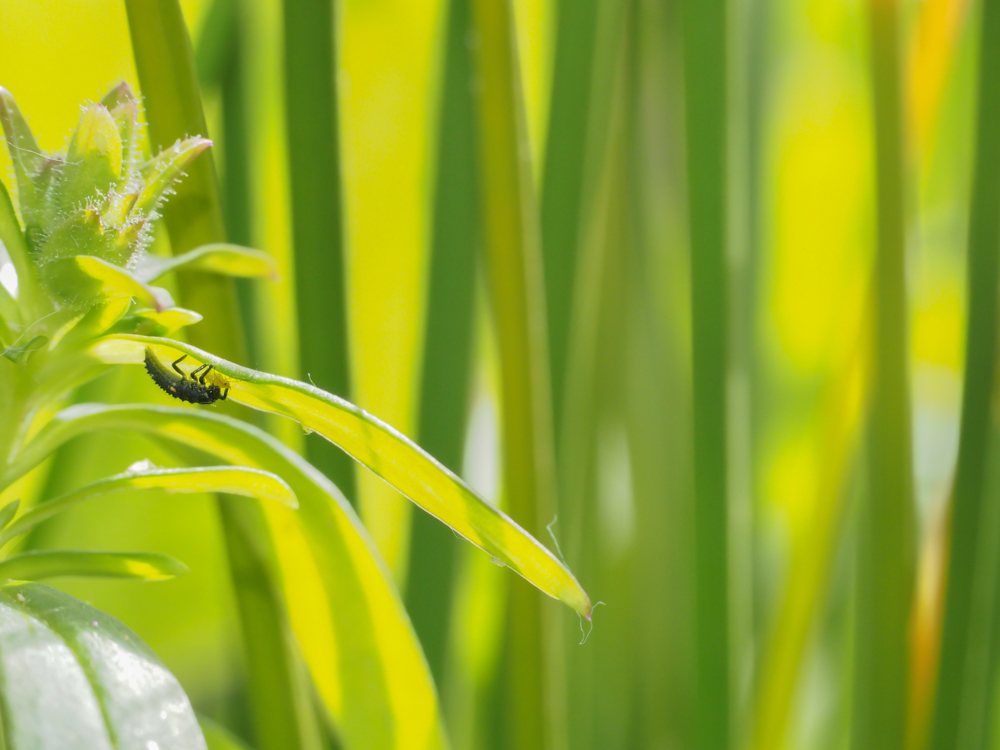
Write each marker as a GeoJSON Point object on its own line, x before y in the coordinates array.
{"type": "Point", "coordinates": [714, 283]}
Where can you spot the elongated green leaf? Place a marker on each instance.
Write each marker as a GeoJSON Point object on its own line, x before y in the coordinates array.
{"type": "Point", "coordinates": [886, 549]}
{"type": "Point", "coordinates": [705, 31]}
{"type": "Point", "coordinates": [316, 186]}
{"type": "Point", "coordinates": [10, 313]}
{"type": "Point", "coordinates": [383, 450]}
{"type": "Point", "coordinates": [153, 323]}
{"type": "Point", "coordinates": [8, 512]}
{"type": "Point", "coordinates": [959, 707]}
{"type": "Point", "coordinates": [25, 153]}
{"type": "Point", "coordinates": [39, 564]}
{"type": "Point", "coordinates": [353, 629]}
{"type": "Point", "coordinates": [72, 677]}
{"type": "Point", "coordinates": [221, 257]}
{"type": "Point", "coordinates": [13, 240]}
{"type": "Point", "coordinates": [114, 282]}
{"type": "Point", "coordinates": [218, 738]}
{"type": "Point", "coordinates": [516, 281]}
{"type": "Point", "coordinates": [226, 479]}
{"type": "Point", "coordinates": [165, 64]}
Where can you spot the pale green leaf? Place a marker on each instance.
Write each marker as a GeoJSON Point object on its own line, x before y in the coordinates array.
{"type": "Point", "coordinates": [39, 564]}
{"type": "Point", "coordinates": [384, 450]}
{"type": "Point", "coordinates": [8, 512]}
{"type": "Point", "coordinates": [221, 258]}
{"type": "Point", "coordinates": [353, 629]}
{"type": "Point", "coordinates": [113, 282]}
{"type": "Point", "coordinates": [73, 677]}
{"type": "Point", "coordinates": [232, 480]}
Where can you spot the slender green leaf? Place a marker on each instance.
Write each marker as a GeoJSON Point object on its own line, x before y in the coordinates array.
{"type": "Point", "coordinates": [220, 257]}
{"type": "Point", "coordinates": [8, 512]}
{"type": "Point", "coordinates": [705, 93]}
{"type": "Point", "coordinates": [311, 120]}
{"type": "Point", "coordinates": [563, 182]}
{"type": "Point", "coordinates": [955, 706]}
{"type": "Point", "coordinates": [385, 451]}
{"type": "Point", "coordinates": [14, 242]}
{"type": "Point", "coordinates": [447, 357]}
{"type": "Point", "coordinates": [219, 738]}
{"type": "Point", "coordinates": [355, 635]}
{"type": "Point", "coordinates": [226, 479]}
{"type": "Point", "coordinates": [886, 545]}
{"type": "Point", "coordinates": [174, 111]}
{"type": "Point", "coordinates": [113, 282]}
{"type": "Point", "coordinates": [512, 244]}
{"type": "Point", "coordinates": [72, 677]}
{"type": "Point", "coordinates": [37, 565]}
{"type": "Point", "coordinates": [25, 153]}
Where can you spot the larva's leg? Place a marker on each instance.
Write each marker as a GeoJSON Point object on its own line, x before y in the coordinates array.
{"type": "Point", "coordinates": [225, 393]}
{"type": "Point", "coordinates": [203, 369]}
{"type": "Point", "coordinates": [208, 369]}
{"type": "Point", "coordinates": [178, 370]}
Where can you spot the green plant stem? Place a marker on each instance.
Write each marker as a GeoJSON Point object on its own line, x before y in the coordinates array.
{"type": "Point", "coordinates": [885, 547]}
{"type": "Point", "coordinates": [511, 240]}
{"type": "Point", "coordinates": [563, 179]}
{"type": "Point", "coordinates": [165, 63]}
{"type": "Point", "coordinates": [704, 30]}
{"type": "Point", "coordinates": [447, 358]}
{"type": "Point", "coordinates": [317, 224]}
{"type": "Point", "coordinates": [970, 504]}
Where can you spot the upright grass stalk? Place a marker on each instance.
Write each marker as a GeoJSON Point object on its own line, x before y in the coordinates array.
{"type": "Point", "coordinates": [447, 358]}
{"type": "Point", "coordinates": [563, 178]}
{"type": "Point", "coordinates": [283, 714]}
{"type": "Point", "coordinates": [510, 234]}
{"type": "Point", "coordinates": [705, 79]}
{"type": "Point", "coordinates": [970, 505]}
{"type": "Point", "coordinates": [885, 547]}
{"type": "Point", "coordinates": [317, 212]}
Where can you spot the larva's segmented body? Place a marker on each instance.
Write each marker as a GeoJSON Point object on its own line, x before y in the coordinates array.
{"type": "Point", "coordinates": [192, 387]}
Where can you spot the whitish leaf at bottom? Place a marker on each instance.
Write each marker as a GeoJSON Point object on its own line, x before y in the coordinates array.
{"type": "Point", "coordinates": [73, 677]}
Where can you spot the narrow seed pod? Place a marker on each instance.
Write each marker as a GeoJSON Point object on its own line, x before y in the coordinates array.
{"type": "Point", "coordinates": [191, 387]}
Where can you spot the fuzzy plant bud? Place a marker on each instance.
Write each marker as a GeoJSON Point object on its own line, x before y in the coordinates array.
{"type": "Point", "coordinates": [96, 200]}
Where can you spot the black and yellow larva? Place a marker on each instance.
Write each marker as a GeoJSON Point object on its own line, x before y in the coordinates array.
{"type": "Point", "coordinates": [188, 387]}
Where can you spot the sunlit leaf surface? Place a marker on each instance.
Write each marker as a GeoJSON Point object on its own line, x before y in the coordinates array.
{"type": "Point", "coordinates": [385, 451]}
{"type": "Point", "coordinates": [229, 260]}
{"type": "Point", "coordinates": [40, 564]}
{"type": "Point", "coordinates": [354, 632]}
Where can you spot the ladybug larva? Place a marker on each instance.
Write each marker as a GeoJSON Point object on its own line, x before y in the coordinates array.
{"type": "Point", "coordinates": [201, 386]}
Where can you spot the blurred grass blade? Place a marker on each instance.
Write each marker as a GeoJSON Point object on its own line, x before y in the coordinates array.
{"type": "Point", "coordinates": [219, 738]}
{"type": "Point", "coordinates": [8, 512]}
{"type": "Point", "coordinates": [385, 452]}
{"type": "Point", "coordinates": [317, 212]}
{"type": "Point", "coordinates": [219, 257]}
{"type": "Point", "coordinates": [447, 357]}
{"type": "Point", "coordinates": [354, 632]}
{"type": "Point", "coordinates": [886, 543]}
{"type": "Point", "coordinates": [164, 60]}
{"type": "Point", "coordinates": [705, 92]}
{"type": "Point", "coordinates": [81, 679]}
{"type": "Point", "coordinates": [970, 505]}
{"type": "Point", "coordinates": [805, 596]}
{"type": "Point", "coordinates": [226, 479]}
{"type": "Point", "coordinates": [165, 63]}
{"type": "Point", "coordinates": [37, 565]}
{"type": "Point", "coordinates": [516, 283]}
{"type": "Point", "coordinates": [563, 180]}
